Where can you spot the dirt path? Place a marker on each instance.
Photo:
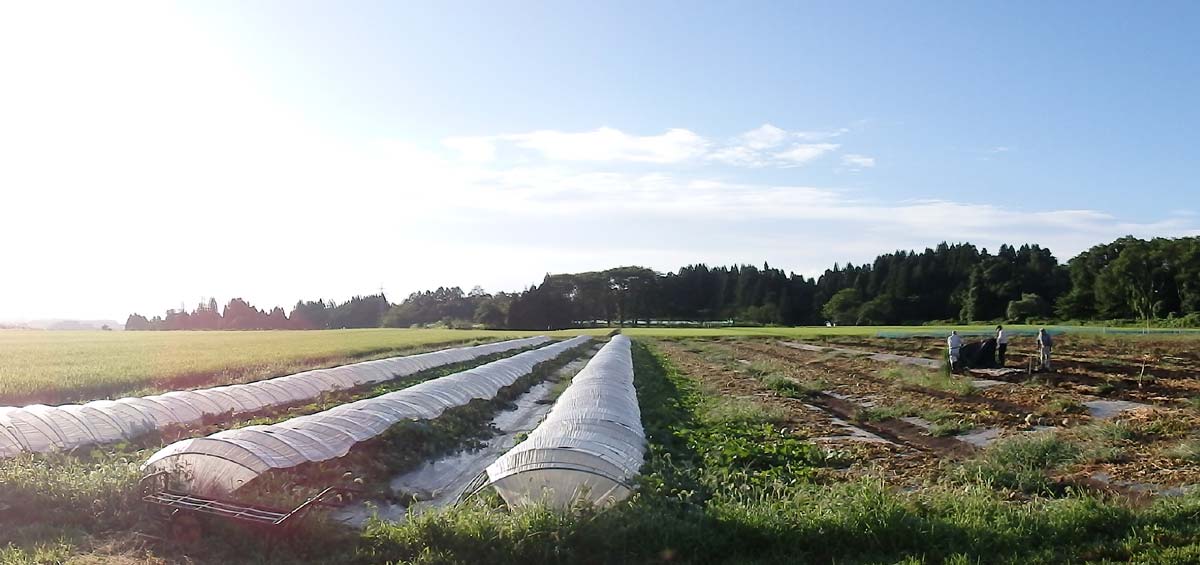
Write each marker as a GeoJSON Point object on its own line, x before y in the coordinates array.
{"type": "Point", "coordinates": [899, 431]}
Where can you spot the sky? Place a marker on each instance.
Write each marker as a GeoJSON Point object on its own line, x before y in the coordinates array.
{"type": "Point", "coordinates": [155, 153]}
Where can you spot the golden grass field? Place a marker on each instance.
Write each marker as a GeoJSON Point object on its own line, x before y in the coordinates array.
{"type": "Point", "coordinates": [51, 367]}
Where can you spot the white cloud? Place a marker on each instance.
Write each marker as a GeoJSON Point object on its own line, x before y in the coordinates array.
{"type": "Point", "coordinates": [855, 161]}
{"type": "Point", "coordinates": [739, 156]}
{"type": "Point", "coordinates": [764, 146]}
{"type": "Point", "coordinates": [673, 209]}
{"type": "Point", "coordinates": [603, 144]}
{"type": "Point", "coordinates": [763, 137]}
{"type": "Point", "coordinates": [802, 153]}
{"type": "Point", "coordinates": [820, 135]}
{"type": "Point", "coordinates": [769, 145]}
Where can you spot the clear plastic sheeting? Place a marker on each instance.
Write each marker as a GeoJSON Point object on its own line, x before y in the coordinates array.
{"type": "Point", "coordinates": [39, 428]}
{"type": "Point", "coordinates": [590, 445]}
{"type": "Point", "coordinates": [224, 462]}
{"type": "Point", "coordinates": [9, 444]}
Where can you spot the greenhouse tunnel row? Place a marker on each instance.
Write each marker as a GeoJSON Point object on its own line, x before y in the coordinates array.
{"type": "Point", "coordinates": [590, 446]}
{"type": "Point", "coordinates": [39, 428]}
{"type": "Point", "coordinates": [226, 461]}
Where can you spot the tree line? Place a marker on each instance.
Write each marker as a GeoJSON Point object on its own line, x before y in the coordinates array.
{"type": "Point", "coordinates": [358, 312]}
{"type": "Point", "coordinates": [1127, 280]}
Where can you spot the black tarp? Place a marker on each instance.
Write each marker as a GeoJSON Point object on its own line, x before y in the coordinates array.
{"type": "Point", "coordinates": [979, 354]}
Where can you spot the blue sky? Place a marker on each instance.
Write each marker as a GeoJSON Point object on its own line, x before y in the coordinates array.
{"type": "Point", "coordinates": [317, 149]}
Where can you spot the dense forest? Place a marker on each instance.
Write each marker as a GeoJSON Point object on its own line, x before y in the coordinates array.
{"type": "Point", "coordinates": [1129, 279]}
{"type": "Point", "coordinates": [358, 312]}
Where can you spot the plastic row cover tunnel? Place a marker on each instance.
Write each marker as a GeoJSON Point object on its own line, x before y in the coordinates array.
{"type": "Point", "coordinates": [225, 461]}
{"type": "Point", "coordinates": [39, 428]}
{"type": "Point", "coordinates": [590, 445]}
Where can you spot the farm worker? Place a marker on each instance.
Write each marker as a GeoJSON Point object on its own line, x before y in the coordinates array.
{"type": "Point", "coordinates": [955, 344]}
{"type": "Point", "coordinates": [1045, 344]}
{"type": "Point", "coordinates": [1001, 344]}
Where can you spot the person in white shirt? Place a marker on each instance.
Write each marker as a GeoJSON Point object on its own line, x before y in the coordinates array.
{"type": "Point", "coordinates": [1045, 345]}
{"type": "Point", "coordinates": [954, 343]}
{"type": "Point", "coordinates": [1001, 344]}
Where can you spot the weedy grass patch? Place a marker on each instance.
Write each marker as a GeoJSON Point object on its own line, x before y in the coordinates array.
{"type": "Point", "coordinates": [913, 377]}
{"type": "Point", "coordinates": [770, 373]}
{"type": "Point", "coordinates": [1021, 463]}
{"type": "Point", "coordinates": [1027, 462]}
{"type": "Point", "coordinates": [944, 422]}
{"type": "Point", "coordinates": [1186, 450]}
{"type": "Point", "coordinates": [793, 388]}
{"type": "Point", "coordinates": [1101, 442]}
{"type": "Point", "coordinates": [1060, 406]}
{"type": "Point", "coordinates": [720, 410]}
{"type": "Point", "coordinates": [951, 427]}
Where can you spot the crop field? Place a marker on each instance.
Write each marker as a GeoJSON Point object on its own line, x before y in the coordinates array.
{"type": "Point", "coordinates": [59, 367]}
{"type": "Point", "coordinates": [764, 446]}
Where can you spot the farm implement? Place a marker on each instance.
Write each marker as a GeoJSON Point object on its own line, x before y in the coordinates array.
{"type": "Point", "coordinates": [183, 513]}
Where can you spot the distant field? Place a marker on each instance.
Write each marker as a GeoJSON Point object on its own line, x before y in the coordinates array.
{"type": "Point", "coordinates": [56, 367]}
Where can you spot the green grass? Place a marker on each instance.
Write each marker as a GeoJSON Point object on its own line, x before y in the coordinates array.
{"type": "Point", "coordinates": [1027, 462]}
{"type": "Point", "coordinates": [1061, 406]}
{"type": "Point", "coordinates": [792, 388]}
{"type": "Point", "coordinates": [760, 369]}
{"type": "Point", "coordinates": [1107, 388]}
{"type": "Point", "coordinates": [913, 377]}
{"type": "Point", "coordinates": [58, 367]}
{"type": "Point", "coordinates": [1166, 428]}
{"type": "Point", "coordinates": [768, 372]}
{"type": "Point", "coordinates": [1187, 450]}
{"type": "Point", "coordinates": [1100, 441]}
{"type": "Point", "coordinates": [93, 490]}
{"type": "Point", "coordinates": [951, 428]}
{"type": "Point", "coordinates": [1021, 463]}
{"type": "Point", "coordinates": [55, 551]}
{"type": "Point", "coordinates": [731, 410]}
{"type": "Point", "coordinates": [945, 422]}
